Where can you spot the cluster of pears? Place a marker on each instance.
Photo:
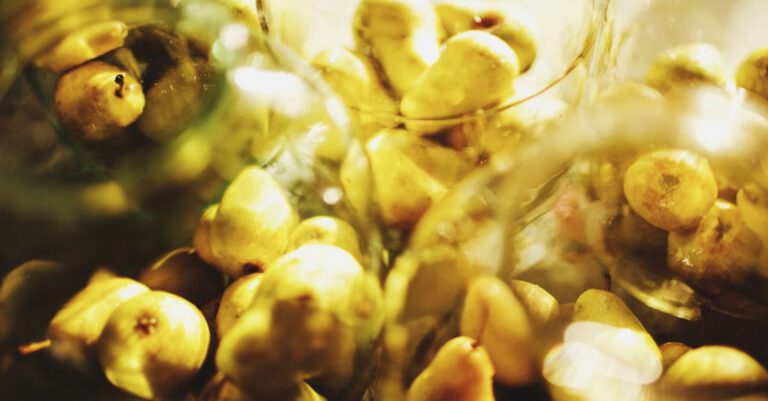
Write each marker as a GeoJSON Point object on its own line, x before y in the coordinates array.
{"type": "Point", "coordinates": [147, 341]}
{"type": "Point", "coordinates": [674, 207]}
{"type": "Point", "coordinates": [114, 79]}
{"type": "Point", "coordinates": [417, 65]}
{"type": "Point", "coordinates": [701, 63]}
{"type": "Point", "coordinates": [497, 326]}
{"type": "Point", "coordinates": [301, 307]}
{"type": "Point", "coordinates": [607, 354]}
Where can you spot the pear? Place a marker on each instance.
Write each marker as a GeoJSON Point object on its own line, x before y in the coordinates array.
{"type": "Point", "coordinates": [461, 371]}
{"type": "Point", "coordinates": [96, 100]}
{"type": "Point", "coordinates": [518, 29]}
{"type": "Point", "coordinates": [355, 176]}
{"type": "Point", "coordinates": [76, 328]}
{"type": "Point", "coordinates": [402, 35]}
{"type": "Point", "coordinates": [542, 308]}
{"type": "Point", "coordinates": [182, 273]}
{"type": "Point", "coordinates": [671, 189]}
{"type": "Point", "coordinates": [235, 301]}
{"type": "Point", "coordinates": [494, 316]}
{"type": "Point", "coordinates": [176, 99]}
{"type": "Point", "coordinates": [624, 338]}
{"type": "Point", "coordinates": [402, 163]}
{"type": "Point", "coordinates": [221, 389]}
{"type": "Point", "coordinates": [82, 45]}
{"type": "Point", "coordinates": [354, 79]}
{"type": "Point", "coordinates": [714, 370]}
{"type": "Point", "coordinates": [153, 345]}
{"type": "Point", "coordinates": [252, 225]}
{"type": "Point", "coordinates": [475, 70]}
{"type": "Point", "coordinates": [687, 64]}
{"type": "Point", "coordinates": [722, 249]}
{"type": "Point", "coordinates": [752, 74]}
{"type": "Point", "coordinates": [315, 311]}
{"type": "Point", "coordinates": [326, 230]}
{"type": "Point", "coordinates": [201, 236]}
{"type": "Point", "coordinates": [671, 352]}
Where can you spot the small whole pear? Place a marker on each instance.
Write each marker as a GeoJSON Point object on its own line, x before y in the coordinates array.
{"type": "Point", "coordinates": [83, 44]}
{"type": "Point", "coordinates": [671, 189]}
{"type": "Point", "coordinates": [461, 371]}
{"type": "Point", "coordinates": [202, 234]}
{"type": "Point", "coordinates": [153, 345]}
{"type": "Point", "coordinates": [235, 301]}
{"type": "Point", "coordinates": [326, 230]}
{"type": "Point", "coordinates": [752, 74]}
{"type": "Point", "coordinates": [96, 100]}
{"type": "Point", "coordinates": [181, 272]}
{"type": "Point", "coordinates": [687, 64]}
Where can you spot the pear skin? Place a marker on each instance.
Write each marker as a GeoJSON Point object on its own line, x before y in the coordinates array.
{"type": "Point", "coordinates": [326, 230]}
{"type": "Point", "coordinates": [235, 301]}
{"type": "Point", "coordinates": [96, 100]}
{"type": "Point", "coordinates": [153, 345]}
{"type": "Point", "coordinates": [714, 370]}
{"type": "Point", "coordinates": [182, 273]}
{"type": "Point", "coordinates": [495, 317]}
{"type": "Point", "coordinates": [752, 202]}
{"type": "Point", "coordinates": [76, 328]}
{"type": "Point", "coordinates": [252, 225]}
{"type": "Point", "coordinates": [402, 35]}
{"type": "Point", "coordinates": [461, 371]}
{"type": "Point", "coordinates": [475, 70]}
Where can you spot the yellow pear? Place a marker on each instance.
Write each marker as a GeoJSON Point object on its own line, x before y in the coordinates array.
{"type": "Point", "coordinates": [315, 311]}
{"type": "Point", "coordinates": [494, 316]}
{"type": "Point", "coordinates": [722, 249]}
{"type": "Point", "coordinates": [252, 224]}
{"type": "Point", "coordinates": [82, 45]}
{"type": "Point", "coordinates": [96, 100]}
{"type": "Point", "coordinates": [500, 18]}
{"type": "Point", "coordinates": [475, 70]}
{"type": "Point", "coordinates": [687, 64]}
{"type": "Point", "coordinates": [221, 389]}
{"type": "Point", "coordinates": [402, 35]}
{"type": "Point", "coordinates": [671, 189]}
{"type": "Point", "coordinates": [626, 341]}
{"type": "Point", "coordinates": [182, 273]}
{"type": "Point", "coordinates": [153, 345]}
{"type": "Point", "coordinates": [752, 74]}
{"type": "Point", "coordinates": [76, 328]}
{"type": "Point", "coordinates": [461, 371]}
{"type": "Point", "coordinates": [326, 230]}
{"type": "Point", "coordinates": [714, 370]}
{"type": "Point", "coordinates": [235, 301]}
{"type": "Point", "coordinates": [403, 163]}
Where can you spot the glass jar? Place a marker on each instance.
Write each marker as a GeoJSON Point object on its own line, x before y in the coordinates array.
{"type": "Point", "coordinates": [556, 214]}
{"type": "Point", "coordinates": [217, 97]}
{"type": "Point", "coordinates": [569, 48]}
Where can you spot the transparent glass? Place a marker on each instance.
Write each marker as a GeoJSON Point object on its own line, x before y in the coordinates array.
{"type": "Point", "coordinates": [570, 48]}
{"type": "Point", "coordinates": [647, 30]}
{"type": "Point", "coordinates": [122, 203]}
{"type": "Point", "coordinates": [554, 214]}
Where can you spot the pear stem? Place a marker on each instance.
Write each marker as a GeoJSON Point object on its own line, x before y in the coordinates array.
{"type": "Point", "coordinates": [33, 347]}
{"type": "Point", "coordinates": [608, 283]}
{"type": "Point", "coordinates": [120, 81]}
